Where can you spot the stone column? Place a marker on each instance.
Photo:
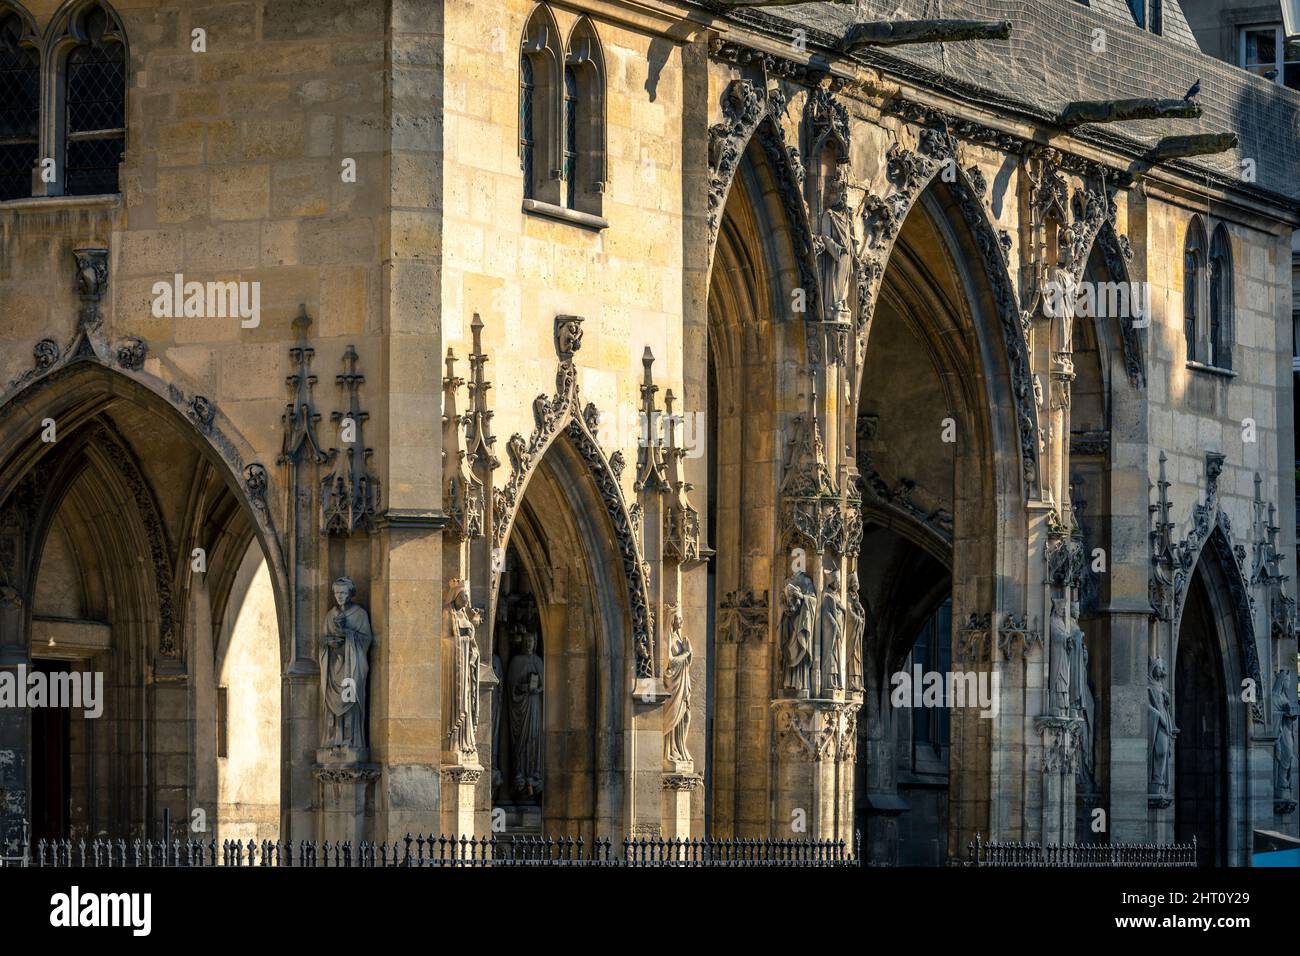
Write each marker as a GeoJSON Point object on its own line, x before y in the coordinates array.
{"type": "Point", "coordinates": [815, 746]}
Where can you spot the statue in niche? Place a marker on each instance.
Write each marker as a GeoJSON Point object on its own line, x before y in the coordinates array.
{"type": "Point", "coordinates": [834, 248]}
{"type": "Point", "coordinates": [1284, 705]}
{"type": "Point", "coordinates": [1081, 699]}
{"type": "Point", "coordinates": [677, 676]}
{"type": "Point", "coordinates": [798, 624]}
{"type": "Point", "coordinates": [465, 619]}
{"type": "Point", "coordinates": [832, 635]}
{"type": "Point", "coordinates": [857, 628]}
{"type": "Point", "coordinates": [524, 686]}
{"type": "Point", "coordinates": [496, 724]}
{"type": "Point", "coordinates": [1060, 641]}
{"type": "Point", "coordinates": [1161, 731]}
{"type": "Point", "coordinates": [344, 667]}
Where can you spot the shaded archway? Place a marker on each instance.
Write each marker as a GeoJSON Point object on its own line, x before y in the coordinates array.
{"type": "Point", "coordinates": [562, 753]}
{"type": "Point", "coordinates": [937, 448]}
{"type": "Point", "coordinates": [755, 346]}
{"type": "Point", "coordinates": [122, 528]}
{"type": "Point", "coordinates": [1207, 715]}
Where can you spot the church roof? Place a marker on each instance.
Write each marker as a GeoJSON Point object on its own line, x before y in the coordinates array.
{"type": "Point", "coordinates": [1049, 62]}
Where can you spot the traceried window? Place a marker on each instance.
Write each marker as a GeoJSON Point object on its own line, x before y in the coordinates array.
{"type": "Point", "coordinates": [62, 102]}
{"type": "Point", "coordinates": [20, 113]}
{"type": "Point", "coordinates": [527, 138]}
{"type": "Point", "coordinates": [562, 120]}
{"type": "Point", "coordinates": [1221, 331]}
{"type": "Point", "coordinates": [1193, 269]}
{"type": "Point", "coordinates": [95, 98]}
{"type": "Point", "coordinates": [570, 135]}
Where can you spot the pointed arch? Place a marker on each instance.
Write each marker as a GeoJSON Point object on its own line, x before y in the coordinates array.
{"type": "Point", "coordinates": [563, 414]}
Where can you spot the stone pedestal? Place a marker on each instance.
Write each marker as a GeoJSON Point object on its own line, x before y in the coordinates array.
{"type": "Point", "coordinates": [1060, 738]}
{"type": "Point", "coordinates": [459, 783]}
{"type": "Point", "coordinates": [815, 746]}
{"type": "Point", "coordinates": [679, 783]}
{"type": "Point", "coordinates": [346, 788]}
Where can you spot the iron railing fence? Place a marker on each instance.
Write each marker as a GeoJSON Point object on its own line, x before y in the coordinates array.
{"type": "Point", "coordinates": [1011, 854]}
{"type": "Point", "coordinates": [445, 851]}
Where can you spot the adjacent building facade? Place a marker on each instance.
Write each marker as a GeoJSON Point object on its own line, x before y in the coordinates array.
{"type": "Point", "coordinates": [619, 417]}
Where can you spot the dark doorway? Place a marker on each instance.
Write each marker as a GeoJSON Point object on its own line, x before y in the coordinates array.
{"type": "Point", "coordinates": [51, 774]}
{"type": "Point", "coordinates": [1200, 749]}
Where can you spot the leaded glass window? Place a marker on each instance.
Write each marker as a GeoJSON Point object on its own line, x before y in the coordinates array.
{"type": "Point", "coordinates": [95, 122]}
{"type": "Point", "coordinates": [19, 109]}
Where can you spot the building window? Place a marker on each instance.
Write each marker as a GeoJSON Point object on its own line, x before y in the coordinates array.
{"type": "Point", "coordinates": [562, 120]}
{"type": "Point", "coordinates": [1264, 50]}
{"type": "Point", "coordinates": [62, 102]}
{"type": "Point", "coordinates": [541, 108]}
{"type": "Point", "coordinates": [570, 136]}
{"type": "Point", "coordinates": [95, 104]}
{"type": "Point", "coordinates": [1193, 269]}
{"type": "Point", "coordinates": [527, 141]}
{"type": "Point", "coordinates": [20, 112]}
{"type": "Point", "coordinates": [1221, 299]}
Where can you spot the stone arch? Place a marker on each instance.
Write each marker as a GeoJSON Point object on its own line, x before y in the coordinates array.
{"type": "Point", "coordinates": [1117, 253]}
{"type": "Point", "coordinates": [77, 388]}
{"type": "Point", "coordinates": [563, 414]}
{"type": "Point", "coordinates": [154, 610]}
{"type": "Point", "coordinates": [1213, 640]}
{"type": "Point", "coordinates": [560, 543]}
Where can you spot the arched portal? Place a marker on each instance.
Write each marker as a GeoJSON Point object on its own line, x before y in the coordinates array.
{"type": "Point", "coordinates": [937, 498]}
{"type": "Point", "coordinates": [122, 533]}
{"type": "Point", "coordinates": [755, 346]}
{"type": "Point", "coordinates": [561, 745]}
{"type": "Point", "coordinates": [1201, 703]}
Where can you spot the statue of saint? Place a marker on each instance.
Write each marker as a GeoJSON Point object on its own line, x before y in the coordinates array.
{"type": "Point", "coordinates": [832, 635]}
{"type": "Point", "coordinates": [1081, 699]}
{"type": "Point", "coordinates": [677, 676]}
{"type": "Point", "coordinates": [1284, 705]}
{"type": "Point", "coordinates": [344, 666]}
{"type": "Point", "coordinates": [857, 627]}
{"type": "Point", "coordinates": [834, 247]}
{"type": "Point", "coordinates": [524, 686]}
{"type": "Point", "coordinates": [1061, 637]}
{"type": "Point", "coordinates": [798, 623]}
{"type": "Point", "coordinates": [464, 624]}
{"type": "Point", "coordinates": [1161, 730]}
{"type": "Point", "coordinates": [496, 723]}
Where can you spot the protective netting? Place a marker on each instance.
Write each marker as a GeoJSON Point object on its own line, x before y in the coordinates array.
{"type": "Point", "coordinates": [1049, 62]}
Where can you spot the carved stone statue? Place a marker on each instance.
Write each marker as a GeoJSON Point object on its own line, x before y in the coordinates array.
{"type": "Point", "coordinates": [496, 723]}
{"type": "Point", "coordinates": [524, 686]}
{"type": "Point", "coordinates": [1060, 640]}
{"type": "Point", "coordinates": [344, 667]}
{"type": "Point", "coordinates": [1284, 705]}
{"type": "Point", "coordinates": [677, 676]}
{"type": "Point", "coordinates": [832, 635]}
{"type": "Point", "coordinates": [1081, 699]}
{"type": "Point", "coordinates": [857, 627]}
{"type": "Point", "coordinates": [1161, 731]}
{"type": "Point", "coordinates": [798, 625]}
{"type": "Point", "coordinates": [834, 247]}
{"type": "Point", "coordinates": [465, 619]}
